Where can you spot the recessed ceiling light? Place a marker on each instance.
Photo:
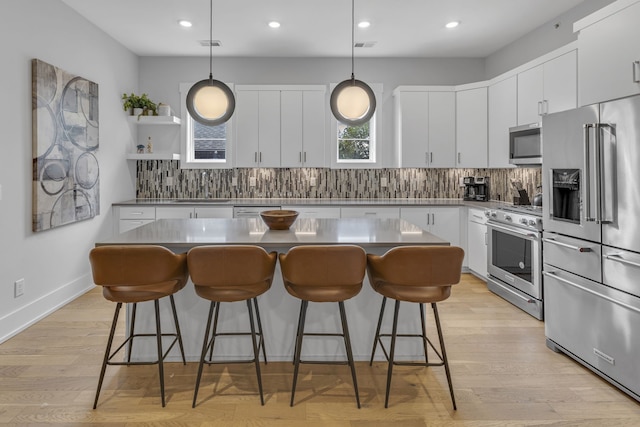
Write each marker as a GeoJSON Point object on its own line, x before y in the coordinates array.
{"type": "Point", "coordinates": [452, 24]}
{"type": "Point", "coordinates": [185, 23]}
{"type": "Point", "coordinates": [364, 24]}
{"type": "Point", "coordinates": [274, 24]}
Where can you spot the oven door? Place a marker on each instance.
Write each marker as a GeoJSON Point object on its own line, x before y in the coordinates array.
{"type": "Point", "coordinates": [514, 257]}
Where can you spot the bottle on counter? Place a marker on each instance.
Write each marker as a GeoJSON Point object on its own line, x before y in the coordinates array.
{"type": "Point", "coordinates": [149, 146]}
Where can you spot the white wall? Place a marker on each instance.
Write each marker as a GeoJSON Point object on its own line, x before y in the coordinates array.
{"type": "Point", "coordinates": [543, 39]}
{"type": "Point", "coordinates": [54, 263]}
{"type": "Point", "coordinates": [160, 77]}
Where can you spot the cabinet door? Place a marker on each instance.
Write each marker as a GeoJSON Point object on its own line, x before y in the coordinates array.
{"type": "Point", "coordinates": [315, 211]}
{"type": "Point", "coordinates": [417, 216]}
{"type": "Point", "coordinates": [413, 129]}
{"type": "Point", "coordinates": [130, 224]}
{"type": "Point", "coordinates": [370, 212]}
{"type": "Point", "coordinates": [291, 124]}
{"type": "Point", "coordinates": [247, 129]}
{"type": "Point", "coordinates": [530, 94]}
{"type": "Point", "coordinates": [269, 129]}
{"type": "Point", "coordinates": [163, 212]}
{"type": "Point", "coordinates": [503, 106]}
{"type": "Point", "coordinates": [213, 212]}
{"type": "Point", "coordinates": [471, 128]}
{"type": "Point", "coordinates": [608, 50]}
{"type": "Point", "coordinates": [442, 129]}
{"type": "Point", "coordinates": [477, 243]}
{"type": "Point", "coordinates": [313, 129]}
{"type": "Point", "coordinates": [445, 223]}
{"type": "Point", "coordinates": [560, 83]}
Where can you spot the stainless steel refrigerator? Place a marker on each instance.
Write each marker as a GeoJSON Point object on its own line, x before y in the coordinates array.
{"type": "Point", "coordinates": [591, 238]}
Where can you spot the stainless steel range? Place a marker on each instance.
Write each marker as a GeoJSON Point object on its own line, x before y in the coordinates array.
{"type": "Point", "coordinates": [514, 256]}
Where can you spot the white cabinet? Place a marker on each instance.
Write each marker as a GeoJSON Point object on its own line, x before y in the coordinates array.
{"type": "Point", "coordinates": [370, 212]}
{"type": "Point", "coordinates": [164, 139]}
{"type": "Point", "coordinates": [471, 128]}
{"type": "Point", "coordinates": [477, 242]}
{"type": "Point", "coordinates": [609, 59]}
{"type": "Point", "coordinates": [302, 128]}
{"type": "Point", "coordinates": [547, 88]}
{"type": "Point", "coordinates": [258, 128]}
{"type": "Point", "coordinates": [130, 217]}
{"type": "Point", "coordinates": [443, 222]}
{"type": "Point", "coordinates": [425, 128]}
{"type": "Point", "coordinates": [168, 212]}
{"type": "Point", "coordinates": [503, 98]}
{"type": "Point", "coordinates": [315, 211]}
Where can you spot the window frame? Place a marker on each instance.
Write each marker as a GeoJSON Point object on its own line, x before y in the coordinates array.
{"type": "Point", "coordinates": [187, 153]}
{"type": "Point", "coordinates": [375, 160]}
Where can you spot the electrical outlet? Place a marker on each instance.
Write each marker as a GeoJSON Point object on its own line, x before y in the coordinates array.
{"type": "Point", "coordinates": [383, 182]}
{"type": "Point", "coordinates": [252, 181]}
{"type": "Point", "coordinates": [18, 288]}
{"type": "Point", "coordinates": [312, 181]}
{"type": "Point", "coordinates": [234, 181]}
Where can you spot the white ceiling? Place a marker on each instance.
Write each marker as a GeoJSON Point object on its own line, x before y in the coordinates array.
{"type": "Point", "coordinates": [320, 28]}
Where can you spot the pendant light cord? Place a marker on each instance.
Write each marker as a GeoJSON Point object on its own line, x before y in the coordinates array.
{"type": "Point", "coordinates": [210, 39]}
{"type": "Point", "coordinates": [353, 31]}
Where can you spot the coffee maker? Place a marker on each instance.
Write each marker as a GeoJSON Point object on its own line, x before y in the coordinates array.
{"type": "Point", "coordinates": [476, 188]}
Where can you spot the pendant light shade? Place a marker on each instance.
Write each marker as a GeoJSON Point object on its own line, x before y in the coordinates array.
{"type": "Point", "coordinates": [210, 102]}
{"type": "Point", "coordinates": [352, 101]}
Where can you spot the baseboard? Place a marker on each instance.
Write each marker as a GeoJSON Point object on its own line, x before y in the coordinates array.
{"type": "Point", "coordinates": [20, 319]}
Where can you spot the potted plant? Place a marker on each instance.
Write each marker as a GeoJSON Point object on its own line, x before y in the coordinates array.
{"type": "Point", "coordinates": [138, 104]}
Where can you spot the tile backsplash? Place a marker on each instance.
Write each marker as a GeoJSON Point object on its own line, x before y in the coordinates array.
{"type": "Point", "coordinates": [163, 179]}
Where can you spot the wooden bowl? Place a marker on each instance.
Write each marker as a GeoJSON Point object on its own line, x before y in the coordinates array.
{"type": "Point", "coordinates": [279, 219]}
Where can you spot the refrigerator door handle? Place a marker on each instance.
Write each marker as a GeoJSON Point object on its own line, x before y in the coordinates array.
{"type": "Point", "coordinates": [586, 179]}
{"type": "Point", "coordinates": [607, 173]}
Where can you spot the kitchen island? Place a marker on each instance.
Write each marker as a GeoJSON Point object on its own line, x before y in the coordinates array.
{"type": "Point", "coordinates": [278, 310]}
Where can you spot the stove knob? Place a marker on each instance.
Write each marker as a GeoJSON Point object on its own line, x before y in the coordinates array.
{"type": "Point", "coordinates": [494, 215]}
{"type": "Point", "coordinates": [508, 218]}
{"type": "Point", "coordinates": [532, 222]}
{"type": "Point", "coordinates": [523, 221]}
{"type": "Point", "coordinates": [486, 213]}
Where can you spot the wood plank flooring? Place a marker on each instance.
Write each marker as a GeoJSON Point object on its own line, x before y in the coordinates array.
{"type": "Point", "coordinates": [503, 375]}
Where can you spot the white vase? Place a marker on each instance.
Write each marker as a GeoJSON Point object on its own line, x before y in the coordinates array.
{"type": "Point", "coordinates": [137, 111]}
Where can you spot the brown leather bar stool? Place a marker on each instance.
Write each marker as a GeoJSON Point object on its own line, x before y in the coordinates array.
{"type": "Point", "coordinates": [230, 274]}
{"type": "Point", "coordinates": [133, 274]}
{"type": "Point", "coordinates": [323, 274]}
{"type": "Point", "coordinates": [420, 274]}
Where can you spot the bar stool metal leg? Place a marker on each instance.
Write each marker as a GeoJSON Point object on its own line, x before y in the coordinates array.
{"type": "Point", "coordinates": [107, 351]}
{"type": "Point", "coordinates": [156, 304]}
{"type": "Point", "coordinates": [444, 353]}
{"type": "Point", "coordinates": [264, 353]}
{"type": "Point", "coordinates": [203, 354]}
{"type": "Point", "coordinates": [377, 337]}
{"type": "Point", "coordinates": [256, 351]}
{"type": "Point", "coordinates": [215, 329]}
{"type": "Point", "coordinates": [295, 342]}
{"type": "Point", "coordinates": [424, 333]}
{"type": "Point", "coordinates": [131, 330]}
{"type": "Point", "coordinates": [392, 351]}
{"type": "Point", "coordinates": [178, 333]}
{"type": "Point", "coordinates": [347, 344]}
{"type": "Point", "coordinates": [298, 349]}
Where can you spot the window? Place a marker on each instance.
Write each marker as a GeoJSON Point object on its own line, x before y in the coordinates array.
{"type": "Point", "coordinates": [356, 143]}
{"type": "Point", "coordinates": [204, 146]}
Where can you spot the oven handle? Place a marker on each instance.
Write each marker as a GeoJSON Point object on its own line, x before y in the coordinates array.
{"type": "Point", "coordinates": [527, 300]}
{"type": "Point", "coordinates": [582, 288]}
{"type": "Point", "coordinates": [566, 245]}
{"type": "Point", "coordinates": [529, 236]}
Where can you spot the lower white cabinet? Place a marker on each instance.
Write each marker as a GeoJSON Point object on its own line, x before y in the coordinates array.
{"type": "Point", "coordinates": [130, 217]}
{"type": "Point", "coordinates": [314, 211]}
{"type": "Point", "coordinates": [167, 212]}
{"type": "Point", "coordinates": [370, 212]}
{"type": "Point", "coordinates": [477, 242]}
{"type": "Point", "coordinates": [443, 222]}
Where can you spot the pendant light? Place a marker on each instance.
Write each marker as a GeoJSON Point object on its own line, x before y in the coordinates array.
{"type": "Point", "coordinates": [210, 102]}
{"type": "Point", "coordinates": [352, 101]}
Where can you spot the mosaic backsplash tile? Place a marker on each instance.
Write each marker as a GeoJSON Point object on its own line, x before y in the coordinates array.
{"type": "Point", "coordinates": [163, 179]}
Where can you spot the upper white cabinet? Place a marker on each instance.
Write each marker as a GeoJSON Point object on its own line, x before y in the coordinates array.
{"type": "Point", "coordinates": [426, 128]}
{"type": "Point", "coordinates": [258, 128]}
{"type": "Point", "coordinates": [303, 126]}
{"type": "Point", "coordinates": [609, 58]}
{"type": "Point", "coordinates": [278, 126]}
{"type": "Point", "coordinates": [471, 128]}
{"type": "Point", "coordinates": [547, 88]}
{"type": "Point", "coordinates": [503, 100]}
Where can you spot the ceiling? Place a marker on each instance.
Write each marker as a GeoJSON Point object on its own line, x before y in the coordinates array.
{"type": "Point", "coordinates": [319, 28]}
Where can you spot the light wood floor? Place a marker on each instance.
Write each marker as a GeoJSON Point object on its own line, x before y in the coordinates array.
{"type": "Point", "coordinates": [503, 375]}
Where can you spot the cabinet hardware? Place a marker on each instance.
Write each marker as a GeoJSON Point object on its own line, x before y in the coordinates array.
{"type": "Point", "coordinates": [618, 258]}
{"type": "Point", "coordinates": [433, 219]}
{"type": "Point", "coordinates": [431, 157]}
{"type": "Point", "coordinates": [459, 157]}
{"type": "Point", "coordinates": [636, 71]}
{"type": "Point", "coordinates": [260, 157]}
{"type": "Point", "coordinates": [566, 245]}
{"type": "Point", "coordinates": [305, 157]}
{"type": "Point", "coordinates": [255, 157]}
{"type": "Point", "coordinates": [300, 157]}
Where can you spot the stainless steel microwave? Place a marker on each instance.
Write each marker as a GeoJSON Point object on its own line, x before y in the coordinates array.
{"type": "Point", "coordinates": [525, 145]}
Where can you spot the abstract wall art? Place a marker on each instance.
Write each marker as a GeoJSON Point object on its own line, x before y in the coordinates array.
{"type": "Point", "coordinates": [65, 141]}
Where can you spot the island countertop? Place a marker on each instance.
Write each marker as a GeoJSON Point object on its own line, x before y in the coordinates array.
{"type": "Point", "coordinates": [182, 234]}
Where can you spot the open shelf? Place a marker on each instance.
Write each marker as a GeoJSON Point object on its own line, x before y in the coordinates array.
{"type": "Point", "coordinates": [153, 156]}
{"type": "Point", "coordinates": [155, 120]}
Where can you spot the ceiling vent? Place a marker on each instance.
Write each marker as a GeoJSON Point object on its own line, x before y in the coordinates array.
{"type": "Point", "coordinates": [365, 44]}
{"type": "Point", "coordinates": [212, 43]}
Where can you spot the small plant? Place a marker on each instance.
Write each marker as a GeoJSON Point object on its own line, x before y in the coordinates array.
{"type": "Point", "coordinates": [138, 101]}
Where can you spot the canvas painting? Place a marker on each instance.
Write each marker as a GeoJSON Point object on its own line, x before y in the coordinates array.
{"type": "Point", "coordinates": [65, 141]}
